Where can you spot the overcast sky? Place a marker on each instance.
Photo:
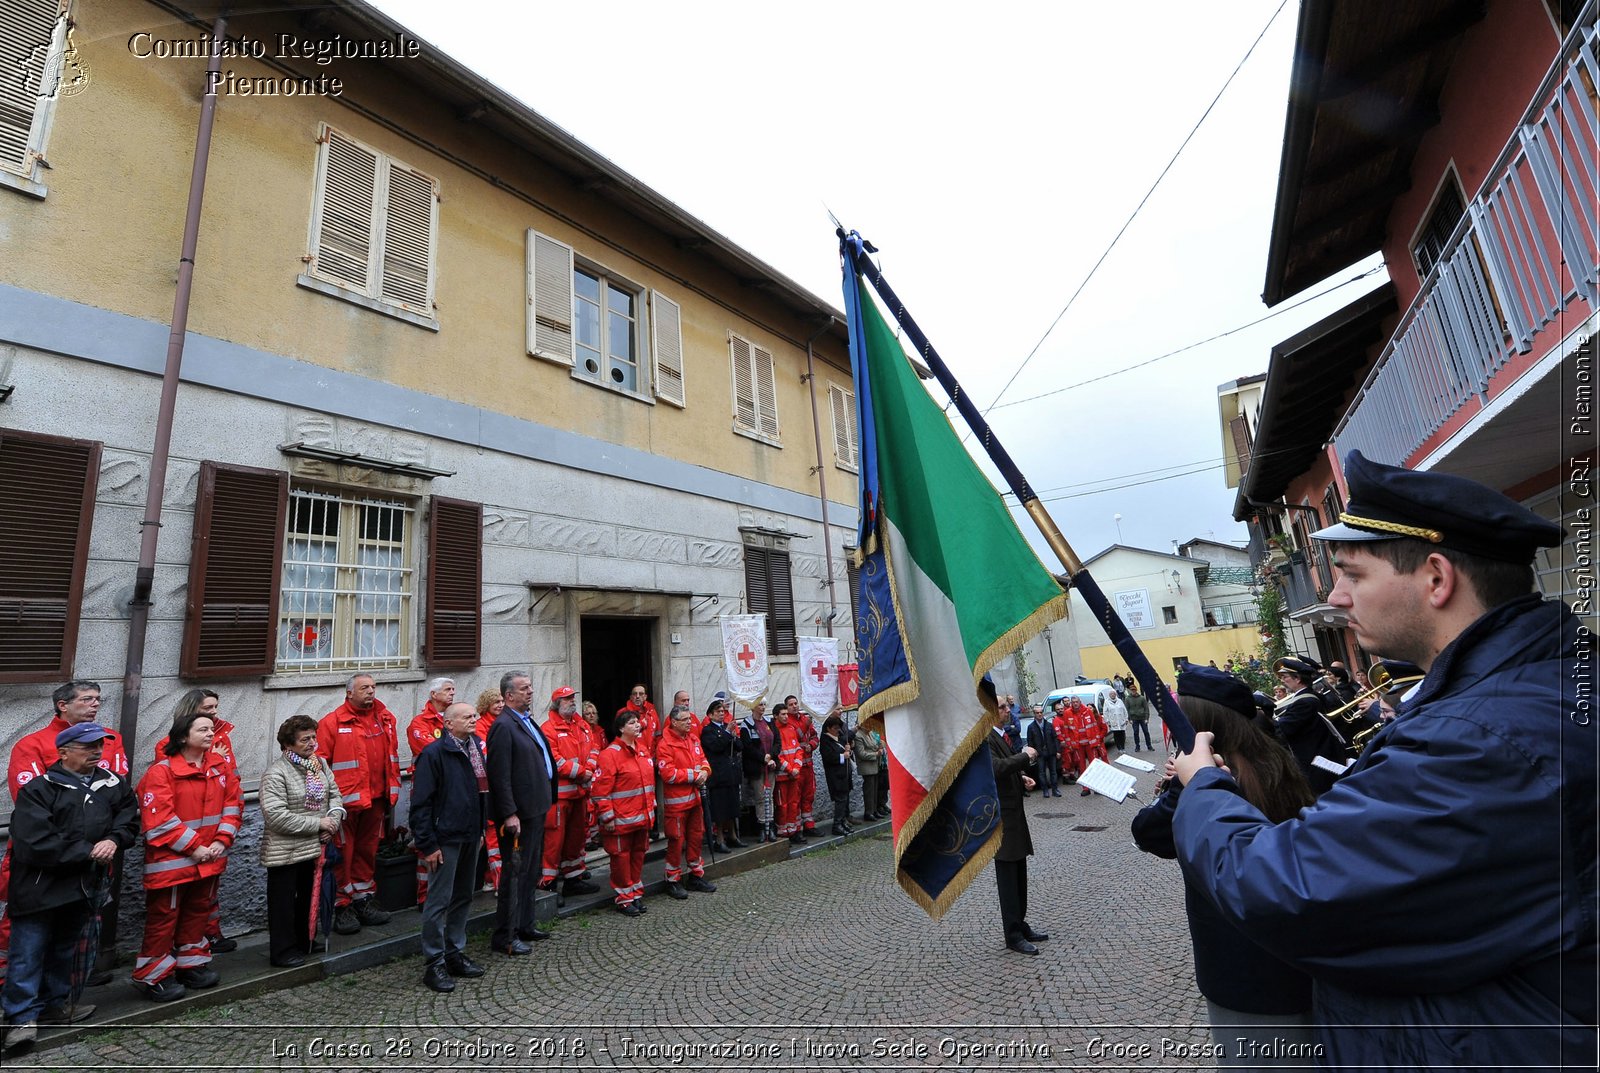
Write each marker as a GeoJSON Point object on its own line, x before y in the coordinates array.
{"type": "Point", "coordinates": [992, 162]}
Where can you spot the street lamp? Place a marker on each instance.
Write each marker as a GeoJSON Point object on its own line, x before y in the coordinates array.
{"type": "Point", "coordinates": [1045, 633]}
{"type": "Point", "coordinates": [1118, 519]}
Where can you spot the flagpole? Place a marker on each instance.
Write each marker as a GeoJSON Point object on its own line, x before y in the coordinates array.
{"type": "Point", "coordinates": [853, 247]}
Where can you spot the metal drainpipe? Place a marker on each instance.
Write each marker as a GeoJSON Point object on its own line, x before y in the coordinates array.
{"type": "Point", "coordinates": [150, 527]}
{"type": "Point", "coordinates": [822, 471]}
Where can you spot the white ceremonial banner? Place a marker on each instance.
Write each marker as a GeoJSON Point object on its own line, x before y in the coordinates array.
{"type": "Point", "coordinates": [1102, 778]}
{"type": "Point", "coordinates": [1134, 762]}
{"type": "Point", "coordinates": [744, 656]}
{"type": "Point", "coordinates": [819, 675]}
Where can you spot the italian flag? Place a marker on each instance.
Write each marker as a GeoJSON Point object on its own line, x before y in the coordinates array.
{"type": "Point", "coordinates": [948, 588]}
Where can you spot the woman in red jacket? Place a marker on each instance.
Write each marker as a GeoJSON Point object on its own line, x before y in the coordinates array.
{"type": "Point", "coordinates": [684, 770]}
{"type": "Point", "coordinates": [625, 794]}
{"type": "Point", "coordinates": [189, 806]}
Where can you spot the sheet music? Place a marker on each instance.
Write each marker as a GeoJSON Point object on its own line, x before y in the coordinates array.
{"type": "Point", "coordinates": [1104, 779]}
{"type": "Point", "coordinates": [1331, 765]}
{"type": "Point", "coordinates": [1134, 762]}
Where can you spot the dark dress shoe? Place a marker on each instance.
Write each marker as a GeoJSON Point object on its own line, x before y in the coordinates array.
{"type": "Point", "coordinates": [578, 886]}
{"type": "Point", "coordinates": [676, 892]}
{"type": "Point", "coordinates": [719, 847]}
{"type": "Point", "coordinates": [735, 842]}
{"type": "Point", "coordinates": [533, 935]}
{"type": "Point", "coordinates": [638, 903]}
{"type": "Point", "coordinates": [1022, 946]}
{"type": "Point", "coordinates": [700, 885]}
{"type": "Point", "coordinates": [463, 966]}
{"type": "Point", "coordinates": [199, 979]}
{"type": "Point", "coordinates": [289, 961]}
{"type": "Point", "coordinates": [627, 909]}
{"type": "Point", "coordinates": [512, 949]}
{"type": "Point", "coordinates": [435, 978]}
{"type": "Point", "coordinates": [223, 945]}
{"type": "Point", "coordinates": [1035, 936]}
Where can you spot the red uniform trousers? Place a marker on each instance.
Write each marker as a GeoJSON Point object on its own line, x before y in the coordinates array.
{"type": "Point", "coordinates": [786, 800]}
{"type": "Point", "coordinates": [175, 929]}
{"type": "Point", "coordinates": [626, 850]}
{"type": "Point", "coordinates": [686, 835]}
{"type": "Point", "coordinates": [808, 795]}
{"type": "Point", "coordinates": [564, 828]}
{"type": "Point", "coordinates": [358, 863]}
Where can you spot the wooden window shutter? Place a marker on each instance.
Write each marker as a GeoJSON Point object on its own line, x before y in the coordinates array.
{"type": "Point", "coordinates": [744, 392]}
{"type": "Point", "coordinates": [454, 632]}
{"type": "Point", "coordinates": [26, 26]}
{"type": "Point", "coordinates": [347, 194]}
{"type": "Point", "coordinates": [766, 393]}
{"type": "Point", "coordinates": [1239, 429]}
{"type": "Point", "coordinates": [231, 623]}
{"type": "Point", "coordinates": [549, 298]}
{"type": "Point", "coordinates": [782, 637]}
{"type": "Point", "coordinates": [843, 404]}
{"type": "Point", "coordinates": [47, 488]}
{"type": "Point", "coordinates": [757, 597]}
{"type": "Point", "coordinates": [666, 329]}
{"type": "Point", "coordinates": [410, 231]}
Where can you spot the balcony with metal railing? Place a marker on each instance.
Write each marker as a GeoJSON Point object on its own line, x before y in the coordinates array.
{"type": "Point", "coordinates": [1524, 258]}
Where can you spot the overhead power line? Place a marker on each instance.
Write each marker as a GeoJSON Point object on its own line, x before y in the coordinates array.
{"type": "Point", "coordinates": [1137, 208]}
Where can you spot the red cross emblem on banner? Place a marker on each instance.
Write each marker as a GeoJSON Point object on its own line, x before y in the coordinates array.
{"type": "Point", "coordinates": [820, 671]}
{"type": "Point", "coordinates": [746, 656]}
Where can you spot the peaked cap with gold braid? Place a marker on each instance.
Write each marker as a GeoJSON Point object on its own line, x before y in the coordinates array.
{"type": "Point", "coordinates": [1389, 502]}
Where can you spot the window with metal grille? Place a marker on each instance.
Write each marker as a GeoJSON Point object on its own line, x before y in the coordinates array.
{"type": "Point", "coordinates": [47, 487]}
{"type": "Point", "coordinates": [769, 591]}
{"type": "Point", "coordinates": [1435, 233]}
{"type": "Point", "coordinates": [374, 227]}
{"type": "Point", "coordinates": [232, 598]}
{"type": "Point", "coordinates": [35, 53]}
{"type": "Point", "coordinates": [347, 583]}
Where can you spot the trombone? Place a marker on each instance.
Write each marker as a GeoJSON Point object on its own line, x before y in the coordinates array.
{"type": "Point", "coordinates": [1348, 719]}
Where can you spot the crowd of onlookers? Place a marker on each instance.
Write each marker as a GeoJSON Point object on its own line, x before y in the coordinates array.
{"type": "Point", "coordinates": [503, 797]}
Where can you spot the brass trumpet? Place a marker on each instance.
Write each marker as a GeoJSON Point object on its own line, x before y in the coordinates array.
{"type": "Point", "coordinates": [1356, 728]}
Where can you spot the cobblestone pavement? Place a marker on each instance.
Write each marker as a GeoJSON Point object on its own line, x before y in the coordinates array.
{"type": "Point", "coordinates": [816, 963]}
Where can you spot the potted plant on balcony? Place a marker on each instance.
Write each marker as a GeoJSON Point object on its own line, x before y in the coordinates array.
{"type": "Point", "coordinates": [1278, 550]}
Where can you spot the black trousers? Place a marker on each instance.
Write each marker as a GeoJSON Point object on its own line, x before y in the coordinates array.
{"type": "Point", "coordinates": [289, 908]}
{"type": "Point", "coordinates": [1011, 879]}
{"type": "Point", "coordinates": [520, 873]}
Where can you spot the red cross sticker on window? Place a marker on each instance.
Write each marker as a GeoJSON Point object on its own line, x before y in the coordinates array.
{"type": "Point", "coordinates": [746, 656]}
{"type": "Point", "coordinates": [820, 671]}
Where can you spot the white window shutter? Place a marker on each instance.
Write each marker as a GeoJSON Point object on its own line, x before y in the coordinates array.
{"type": "Point", "coordinates": [744, 392]}
{"type": "Point", "coordinates": [411, 227]}
{"type": "Point", "coordinates": [32, 38]}
{"type": "Point", "coordinates": [343, 231]}
{"type": "Point", "coordinates": [843, 404]}
{"type": "Point", "coordinates": [666, 330]}
{"type": "Point", "coordinates": [766, 393]}
{"type": "Point", "coordinates": [549, 298]}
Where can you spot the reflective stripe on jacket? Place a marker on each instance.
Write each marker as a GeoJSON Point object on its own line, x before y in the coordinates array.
{"type": "Point", "coordinates": [625, 789]}
{"type": "Point", "coordinates": [183, 807]}
{"type": "Point", "coordinates": [341, 741]}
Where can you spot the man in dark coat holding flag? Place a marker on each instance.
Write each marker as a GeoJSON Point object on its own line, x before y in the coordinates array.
{"type": "Point", "coordinates": [1016, 844]}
